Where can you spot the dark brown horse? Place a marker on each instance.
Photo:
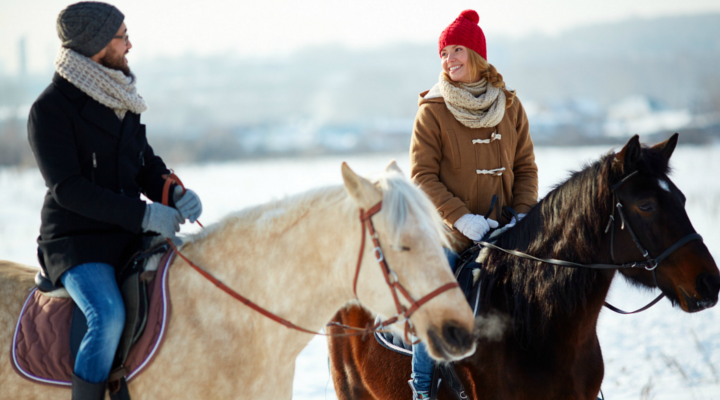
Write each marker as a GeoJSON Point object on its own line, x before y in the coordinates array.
{"type": "Point", "coordinates": [548, 348]}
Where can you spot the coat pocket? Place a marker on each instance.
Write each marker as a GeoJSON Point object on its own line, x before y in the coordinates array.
{"type": "Point", "coordinates": [451, 141]}
{"type": "Point", "coordinates": [94, 167]}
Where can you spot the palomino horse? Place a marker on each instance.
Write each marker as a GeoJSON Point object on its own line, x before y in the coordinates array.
{"type": "Point", "coordinates": [549, 348]}
{"type": "Point", "coordinates": [296, 257]}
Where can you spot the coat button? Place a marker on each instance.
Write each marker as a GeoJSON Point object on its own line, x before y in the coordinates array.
{"type": "Point", "coordinates": [442, 214]}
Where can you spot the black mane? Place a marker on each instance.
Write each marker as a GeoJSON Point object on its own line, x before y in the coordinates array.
{"type": "Point", "coordinates": [568, 224]}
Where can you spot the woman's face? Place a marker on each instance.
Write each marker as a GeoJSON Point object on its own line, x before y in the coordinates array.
{"type": "Point", "coordinates": [454, 61]}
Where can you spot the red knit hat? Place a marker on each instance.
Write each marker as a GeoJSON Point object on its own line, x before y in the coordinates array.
{"type": "Point", "coordinates": [465, 31]}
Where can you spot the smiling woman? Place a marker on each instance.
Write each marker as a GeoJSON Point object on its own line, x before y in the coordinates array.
{"type": "Point", "coordinates": [471, 151]}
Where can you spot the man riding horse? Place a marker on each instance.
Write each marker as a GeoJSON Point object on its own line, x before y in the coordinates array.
{"type": "Point", "coordinates": [92, 151]}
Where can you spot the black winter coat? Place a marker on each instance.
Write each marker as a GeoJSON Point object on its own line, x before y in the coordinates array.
{"type": "Point", "coordinates": [95, 167]}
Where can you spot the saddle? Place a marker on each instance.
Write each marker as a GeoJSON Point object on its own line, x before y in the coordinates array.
{"type": "Point", "coordinates": [51, 327]}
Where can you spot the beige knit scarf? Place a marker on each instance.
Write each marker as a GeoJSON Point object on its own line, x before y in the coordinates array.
{"type": "Point", "coordinates": [108, 87]}
{"type": "Point", "coordinates": [475, 105]}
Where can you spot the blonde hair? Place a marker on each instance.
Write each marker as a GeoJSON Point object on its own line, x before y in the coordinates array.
{"type": "Point", "coordinates": [480, 69]}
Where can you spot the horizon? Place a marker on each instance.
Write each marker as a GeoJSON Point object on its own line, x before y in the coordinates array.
{"type": "Point", "coordinates": [320, 25]}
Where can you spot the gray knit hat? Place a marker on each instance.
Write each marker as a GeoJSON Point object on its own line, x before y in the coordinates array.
{"type": "Point", "coordinates": [88, 27]}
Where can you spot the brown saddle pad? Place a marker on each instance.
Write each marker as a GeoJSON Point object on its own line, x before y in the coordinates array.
{"type": "Point", "coordinates": [41, 343]}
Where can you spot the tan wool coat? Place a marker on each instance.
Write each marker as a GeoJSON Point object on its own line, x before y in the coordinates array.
{"type": "Point", "coordinates": [447, 160]}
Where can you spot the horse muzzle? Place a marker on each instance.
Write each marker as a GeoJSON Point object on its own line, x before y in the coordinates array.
{"type": "Point", "coordinates": [453, 342]}
{"type": "Point", "coordinates": [707, 287]}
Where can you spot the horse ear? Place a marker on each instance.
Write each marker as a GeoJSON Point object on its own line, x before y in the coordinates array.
{"type": "Point", "coordinates": [667, 147]}
{"type": "Point", "coordinates": [630, 154]}
{"type": "Point", "coordinates": [393, 167]}
{"type": "Point", "coordinates": [360, 189]}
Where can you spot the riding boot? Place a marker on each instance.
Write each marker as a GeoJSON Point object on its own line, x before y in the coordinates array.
{"type": "Point", "coordinates": [418, 395]}
{"type": "Point", "coordinates": [83, 390]}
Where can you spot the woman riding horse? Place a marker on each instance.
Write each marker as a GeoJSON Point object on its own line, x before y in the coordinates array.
{"type": "Point", "coordinates": [537, 322]}
{"type": "Point", "coordinates": [470, 143]}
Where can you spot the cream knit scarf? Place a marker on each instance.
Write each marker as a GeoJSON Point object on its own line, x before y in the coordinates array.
{"type": "Point", "coordinates": [107, 86]}
{"type": "Point", "coordinates": [475, 105]}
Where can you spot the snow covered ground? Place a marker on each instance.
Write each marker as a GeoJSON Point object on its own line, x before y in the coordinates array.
{"type": "Point", "coordinates": [660, 354]}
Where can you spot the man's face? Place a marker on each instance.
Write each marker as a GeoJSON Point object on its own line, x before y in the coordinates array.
{"type": "Point", "coordinates": [114, 57]}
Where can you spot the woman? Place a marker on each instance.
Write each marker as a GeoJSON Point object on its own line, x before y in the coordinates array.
{"type": "Point", "coordinates": [470, 142]}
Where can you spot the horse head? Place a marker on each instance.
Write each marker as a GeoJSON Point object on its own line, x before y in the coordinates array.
{"type": "Point", "coordinates": [409, 238]}
{"type": "Point", "coordinates": [655, 211]}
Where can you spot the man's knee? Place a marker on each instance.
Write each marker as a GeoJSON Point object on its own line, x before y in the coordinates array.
{"type": "Point", "coordinates": [110, 317]}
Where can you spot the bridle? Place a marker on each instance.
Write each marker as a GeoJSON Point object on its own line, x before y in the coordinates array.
{"type": "Point", "coordinates": [403, 313]}
{"type": "Point", "coordinates": [649, 264]}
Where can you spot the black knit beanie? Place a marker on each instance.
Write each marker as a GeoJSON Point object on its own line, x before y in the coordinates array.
{"type": "Point", "coordinates": [87, 27]}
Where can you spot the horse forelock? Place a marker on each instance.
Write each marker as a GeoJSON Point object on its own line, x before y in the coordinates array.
{"type": "Point", "coordinates": [400, 199]}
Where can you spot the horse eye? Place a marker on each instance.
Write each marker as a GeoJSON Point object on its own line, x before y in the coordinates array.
{"type": "Point", "coordinates": [646, 207]}
{"type": "Point", "coordinates": [405, 248]}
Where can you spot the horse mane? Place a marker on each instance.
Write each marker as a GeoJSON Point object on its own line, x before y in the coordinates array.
{"type": "Point", "coordinates": [400, 200]}
{"type": "Point", "coordinates": [568, 224]}
{"type": "Point", "coordinates": [19, 274]}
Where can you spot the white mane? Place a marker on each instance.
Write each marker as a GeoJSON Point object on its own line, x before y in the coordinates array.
{"type": "Point", "coordinates": [400, 199]}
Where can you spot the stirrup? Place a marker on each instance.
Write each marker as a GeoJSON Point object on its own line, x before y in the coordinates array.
{"type": "Point", "coordinates": [418, 395]}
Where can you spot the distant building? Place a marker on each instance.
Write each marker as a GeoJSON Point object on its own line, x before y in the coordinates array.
{"type": "Point", "coordinates": [557, 121]}
{"type": "Point", "coordinates": [643, 116]}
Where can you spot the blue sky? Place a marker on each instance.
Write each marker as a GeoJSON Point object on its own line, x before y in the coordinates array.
{"type": "Point", "coordinates": [275, 27]}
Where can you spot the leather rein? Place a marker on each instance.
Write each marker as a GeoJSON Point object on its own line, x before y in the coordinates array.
{"type": "Point", "coordinates": [403, 313]}
{"type": "Point", "coordinates": [649, 264]}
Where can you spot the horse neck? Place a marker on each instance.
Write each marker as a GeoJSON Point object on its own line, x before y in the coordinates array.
{"type": "Point", "coordinates": [565, 225]}
{"type": "Point", "coordinates": [293, 260]}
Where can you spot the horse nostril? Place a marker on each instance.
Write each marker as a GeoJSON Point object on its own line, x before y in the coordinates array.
{"type": "Point", "coordinates": [457, 336]}
{"type": "Point", "coordinates": [708, 286]}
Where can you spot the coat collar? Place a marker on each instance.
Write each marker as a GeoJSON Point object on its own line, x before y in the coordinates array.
{"type": "Point", "coordinates": [67, 88]}
{"type": "Point", "coordinates": [422, 100]}
{"type": "Point", "coordinates": [102, 116]}
{"type": "Point", "coordinates": [98, 114]}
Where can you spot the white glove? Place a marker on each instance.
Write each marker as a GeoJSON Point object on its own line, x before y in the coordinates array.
{"type": "Point", "coordinates": [474, 227]}
{"type": "Point", "coordinates": [512, 221]}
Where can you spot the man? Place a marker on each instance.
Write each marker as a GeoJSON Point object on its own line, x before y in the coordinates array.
{"type": "Point", "coordinates": [92, 151]}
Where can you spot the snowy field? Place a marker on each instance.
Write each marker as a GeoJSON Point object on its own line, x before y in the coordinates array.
{"type": "Point", "coordinates": [660, 354]}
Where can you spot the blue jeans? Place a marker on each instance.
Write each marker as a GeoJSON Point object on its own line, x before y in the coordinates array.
{"type": "Point", "coordinates": [422, 364]}
{"type": "Point", "coordinates": [94, 289]}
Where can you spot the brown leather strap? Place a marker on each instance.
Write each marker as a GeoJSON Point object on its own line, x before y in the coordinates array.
{"type": "Point", "coordinates": [390, 278]}
{"type": "Point", "coordinates": [118, 373]}
{"type": "Point", "coordinates": [360, 253]}
{"type": "Point", "coordinates": [237, 295]}
{"type": "Point", "coordinates": [365, 222]}
{"type": "Point", "coordinates": [169, 180]}
{"type": "Point", "coordinates": [262, 311]}
{"type": "Point", "coordinates": [430, 296]}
